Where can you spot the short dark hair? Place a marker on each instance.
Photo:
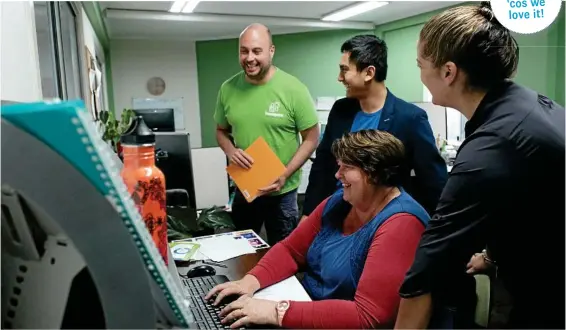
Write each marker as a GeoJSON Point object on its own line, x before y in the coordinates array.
{"type": "Point", "coordinates": [378, 154]}
{"type": "Point", "coordinates": [368, 50]}
{"type": "Point", "coordinates": [472, 38]}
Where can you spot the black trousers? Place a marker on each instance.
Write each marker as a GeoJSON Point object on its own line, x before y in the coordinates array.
{"type": "Point", "coordinates": [280, 213]}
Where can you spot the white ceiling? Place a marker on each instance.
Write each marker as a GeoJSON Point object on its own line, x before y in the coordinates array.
{"type": "Point", "coordinates": [226, 19]}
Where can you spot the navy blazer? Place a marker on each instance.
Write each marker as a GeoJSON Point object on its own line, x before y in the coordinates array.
{"type": "Point", "coordinates": [405, 121]}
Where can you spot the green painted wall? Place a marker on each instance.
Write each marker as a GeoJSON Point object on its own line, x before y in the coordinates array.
{"type": "Point", "coordinates": [402, 65]}
{"type": "Point", "coordinates": [403, 77]}
{"type": "Point", "coordinates": [561, 59]}
{"type": "Point", "coordinates": [216, 62]}
{"type": "Point", "coordinates": [541, 61]}
{"type": "Point", "coordinates": [313, 58]}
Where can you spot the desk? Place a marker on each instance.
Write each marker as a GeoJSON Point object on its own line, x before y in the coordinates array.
{"type": "Point", "coordinates": [236, 267]}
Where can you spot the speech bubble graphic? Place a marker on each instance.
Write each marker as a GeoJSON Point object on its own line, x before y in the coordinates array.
{"type": "Point", "coordinates": [526, 16]}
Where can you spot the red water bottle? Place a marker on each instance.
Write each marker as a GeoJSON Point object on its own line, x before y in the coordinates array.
{"type": "Point", "coordinates": [145, 182]}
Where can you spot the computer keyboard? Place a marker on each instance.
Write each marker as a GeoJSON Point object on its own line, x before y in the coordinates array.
{"type": "Point", "coordinates": [205, 314]}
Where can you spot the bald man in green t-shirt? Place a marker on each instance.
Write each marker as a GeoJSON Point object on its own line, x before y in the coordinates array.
{"type": "Point", "coordinates": [265, 101]}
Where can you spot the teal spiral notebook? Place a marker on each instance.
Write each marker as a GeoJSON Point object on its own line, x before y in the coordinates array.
{"type": "Point", "coordinates": [67, 128]}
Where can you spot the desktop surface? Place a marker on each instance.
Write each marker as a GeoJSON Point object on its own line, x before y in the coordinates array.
{"type": "Point", "coordinates": [235, 269]}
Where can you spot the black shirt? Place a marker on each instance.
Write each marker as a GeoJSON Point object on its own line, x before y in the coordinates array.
{"type": "Point", "coordinates": [506, 191]}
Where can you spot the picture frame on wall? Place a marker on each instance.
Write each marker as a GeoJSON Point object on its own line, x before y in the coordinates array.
{"type": "Point", "coordinates": [99, 105]}
{"type": "Point", "coordinates": [94, 99]}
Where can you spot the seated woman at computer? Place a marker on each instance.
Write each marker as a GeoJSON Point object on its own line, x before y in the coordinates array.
{"type": "Point", "coordinates": [355, 248]}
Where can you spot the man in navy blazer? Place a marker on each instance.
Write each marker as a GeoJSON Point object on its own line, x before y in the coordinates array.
{"type": "Point", "coordinates": [370, 105]}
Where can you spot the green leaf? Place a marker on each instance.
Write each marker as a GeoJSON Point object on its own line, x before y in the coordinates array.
{"type": "Point", "coordinates": [113, 128]}
{"type": "Point", "coordinates": [103, 115]}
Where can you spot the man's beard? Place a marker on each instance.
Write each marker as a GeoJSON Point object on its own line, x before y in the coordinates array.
{"type": "Point", "coordinates": [261, 74]}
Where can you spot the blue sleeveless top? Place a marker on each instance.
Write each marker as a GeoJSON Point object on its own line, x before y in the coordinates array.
{"type": "Point", "coordinates": [335, 261]}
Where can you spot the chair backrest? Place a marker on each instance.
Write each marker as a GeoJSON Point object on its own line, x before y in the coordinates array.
{"type": "Point", "coordinates": [483, 292]}
{"type": "Point", "coordinates": [177, 164]}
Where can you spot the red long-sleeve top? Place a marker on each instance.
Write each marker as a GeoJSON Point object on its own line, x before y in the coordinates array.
{"type": "Point", "coordinates": [376, 300]}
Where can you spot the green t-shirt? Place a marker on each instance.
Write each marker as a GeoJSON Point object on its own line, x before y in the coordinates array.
{"type": "Point", "coordinates": [277, 110]}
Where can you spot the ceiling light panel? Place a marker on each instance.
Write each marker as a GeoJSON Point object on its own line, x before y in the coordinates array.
{"type": "Point", "coordinates": [190, 6]}
{"type": "Point", "coordinates": [177, 6]}
{"type": "Point", "coordinates": [354, 10]}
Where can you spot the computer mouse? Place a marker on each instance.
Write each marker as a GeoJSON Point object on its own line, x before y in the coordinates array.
{"type": "Point", "coordinates": [203, 270]}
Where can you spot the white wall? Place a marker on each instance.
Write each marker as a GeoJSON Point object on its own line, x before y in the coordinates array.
{"type": "Point", "coordinates": [452, 119]}
{"type": "Point", "coordinates": [90, 41]}
{"type": "Point", "coordinates": [456, 123]}
{"type": "Point", "coordinates": [436, 117]}
{"type": "Point", "coordinates": [136, 61]}
{"type": "Point", "coordinates": [427, 96]}
{"type": "Point", "coordinates": [20, 78]}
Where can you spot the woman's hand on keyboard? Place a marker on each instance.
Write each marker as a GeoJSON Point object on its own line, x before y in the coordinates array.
{"type": "Point", "coordinates": [246, 311]}
{"type": "Point", "coordinates": [246, 286]}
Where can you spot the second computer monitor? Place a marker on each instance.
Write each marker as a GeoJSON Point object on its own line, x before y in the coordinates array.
{"type": "Point", "coordinates": [158, 120]}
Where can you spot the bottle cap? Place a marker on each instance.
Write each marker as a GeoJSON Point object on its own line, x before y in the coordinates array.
{"type": "Point", "coordinates": [138, 133]}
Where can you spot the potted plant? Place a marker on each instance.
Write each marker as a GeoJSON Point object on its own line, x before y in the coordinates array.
{"type": "Point", "coordinates": [113, 129]}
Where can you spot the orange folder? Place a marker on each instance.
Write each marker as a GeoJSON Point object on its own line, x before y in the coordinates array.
{"type": "Point", "coordinates": [267, 167]}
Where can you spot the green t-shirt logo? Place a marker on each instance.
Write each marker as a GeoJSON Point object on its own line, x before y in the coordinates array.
{"type": "Point", "coordinates": [273, 110]}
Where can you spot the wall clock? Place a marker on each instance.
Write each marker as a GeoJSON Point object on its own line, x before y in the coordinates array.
{"type": "Point", "coordinates": [156, 86]}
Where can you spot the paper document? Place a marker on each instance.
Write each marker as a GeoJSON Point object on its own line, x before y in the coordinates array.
{"type": "Point", "coordinates": [253, 239]}
{"type": "Point", "coordinates": [289, 289]}
{"type": "Point", "coordinates": [221, 248]}
{"type": "Point", "coordinates": [183, 251]}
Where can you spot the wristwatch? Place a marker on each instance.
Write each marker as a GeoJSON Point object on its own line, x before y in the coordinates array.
{"type": "Point", "coordinates": [282, 308]}
{"type": "Point", "coordinates": [487, 259]}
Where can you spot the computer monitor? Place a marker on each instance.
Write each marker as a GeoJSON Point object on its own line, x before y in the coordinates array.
{"type": "Point", "coordinates": [176, 162]}
{"type": "Point", "coordinates": [158, 120]}
{"type": "Point", "coordinates": [75, 250]}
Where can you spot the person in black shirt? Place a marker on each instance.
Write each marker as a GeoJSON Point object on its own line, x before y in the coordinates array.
{"type": "Point", "coordinates": [506, 189]}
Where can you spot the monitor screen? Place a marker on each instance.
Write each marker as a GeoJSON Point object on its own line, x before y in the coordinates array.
{"type": "Point", "coordinates": [158, 120]}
